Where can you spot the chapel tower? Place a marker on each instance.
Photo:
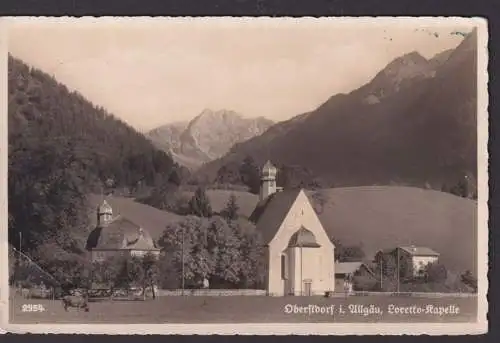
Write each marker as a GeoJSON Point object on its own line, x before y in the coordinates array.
{"type": "Point", "coordinates": [267, 180]}
{"type": "Point", "coordinates": [104, 214]}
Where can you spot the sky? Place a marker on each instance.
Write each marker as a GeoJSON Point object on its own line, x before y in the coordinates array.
{"type": "Point", "coordinates": [154, 72]}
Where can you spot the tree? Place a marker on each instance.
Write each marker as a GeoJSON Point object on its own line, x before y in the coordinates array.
{"type": "Point", "coordinates": [229, 254]}
{"type": "Point", "coordinates": [229, 174]}
{"type": "Point", "coordinates": [223, 246]}
{"type": "Point", "coordinates": [199, 205]}
{"type": "Point", "coordinates": [461, 188]}
{"type": "Point", "coordinates": [253, 269]}
{"type": "Point", "coordinates": [389, 266]}
{"type": "Point", "coordinates": [230, 212]}
{"type": "Point", "coordinates": [168, 197]}
{"type": "Point", "coordinates": [184, 247]}
{"type": "Point", "coordinates": [436, 272]}
{"type": "Point", "coordinates": [406, 268]}
{"type": "Point", "coordinates": [250, 174]}
{"type": "Point", "coordinates": [293, 176]}
{"type": "Point", "coordinates": [63, 266]}
{"type": "Point", "coordinates": [469, 279]}
{"type": "Point", "coordinates": [105, 273]}
{"type": "Point", "coordinates": [151, 272]}
{"type": "Point", "coordinates": [319, 200]}
{"type": "Point", "coordinates": [353, 253]}
{"type": "Point", "coordinates": [175, 177]}
{"type": "Point", "coordinates": [53, 192]}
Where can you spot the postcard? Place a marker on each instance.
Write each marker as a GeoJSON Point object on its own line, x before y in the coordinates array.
{"type": "Point", "coordinates": [250, 176]}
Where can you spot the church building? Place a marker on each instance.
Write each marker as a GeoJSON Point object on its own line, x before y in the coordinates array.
{"type": "Point", "coordinates": [118, 236]}
{"type": "Point", "coordinates": [299, 253]}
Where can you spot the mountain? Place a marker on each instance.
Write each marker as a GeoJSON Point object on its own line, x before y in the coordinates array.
{"type": "Point", "coordinates": [413, 124]}
{"type": "Point", "coordinates": [41, 109]}
{"type": "Point", "coordinates": [208, 136]}
{"type": "Point", "coordinates": [60, 147]}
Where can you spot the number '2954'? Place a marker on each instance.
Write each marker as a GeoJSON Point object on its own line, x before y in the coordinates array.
{"type": "Point", "coordinates": [33, 308]}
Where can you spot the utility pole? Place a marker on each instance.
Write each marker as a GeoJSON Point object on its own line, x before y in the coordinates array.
{"type": "Point", "coordinates": [398, 268]}
{"type": "Point", "coordinates": [20, 241]}
{"type": "Point", "coordinates": [381, 264]}
{"type": "Point", "coordinates": [182, 261]}
{"type": "Point", "coordinates": [301, 276]}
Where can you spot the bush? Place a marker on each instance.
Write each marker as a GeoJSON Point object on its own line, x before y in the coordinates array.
{"type": "Point", "coordinates": [365, 283]}
{"type": "Point", "coordinates": [436, 272]}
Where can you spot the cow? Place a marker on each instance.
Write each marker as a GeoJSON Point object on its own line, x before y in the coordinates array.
{"type": "Point", "coordinates": [78, 301]}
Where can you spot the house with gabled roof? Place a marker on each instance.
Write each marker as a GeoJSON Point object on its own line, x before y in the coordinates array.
{"type": "Point", "coordinates": [299, 254]}
{"type": "Point", "coordinates": [418, 257]}
{"type": "Point", "coordinates": [118, 236]}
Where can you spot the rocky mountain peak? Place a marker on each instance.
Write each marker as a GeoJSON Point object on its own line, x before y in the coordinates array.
{"type": "Point", "coordinates": [208, 136]}
{"type": "Point", "coordinates": [399, 73]}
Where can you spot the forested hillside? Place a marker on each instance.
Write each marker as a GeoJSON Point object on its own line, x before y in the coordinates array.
{"type": "Point", "coordinates": [61, 147]}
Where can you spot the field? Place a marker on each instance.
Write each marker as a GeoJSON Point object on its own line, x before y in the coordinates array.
{"type": "Point", "coordinates": [376, 217]}
{"type": "Point", "coordinates": [381, 217]}
{"type": "Point", "coordinates": [241, 309]}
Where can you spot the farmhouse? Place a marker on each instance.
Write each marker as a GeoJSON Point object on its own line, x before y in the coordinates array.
{"type": "Point", "coordinates": [299, 253]}
{"type": "Point", "coordinates": [416, 257]}
{"type": "Point", "coordinates": [118, 235]}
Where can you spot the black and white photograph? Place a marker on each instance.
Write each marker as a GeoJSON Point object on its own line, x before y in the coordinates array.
{"type": "Point", "coordinates": [244, 175]}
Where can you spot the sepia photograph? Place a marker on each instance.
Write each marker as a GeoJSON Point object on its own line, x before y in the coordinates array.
{"type": "Point", "coordinates": [244, 175]}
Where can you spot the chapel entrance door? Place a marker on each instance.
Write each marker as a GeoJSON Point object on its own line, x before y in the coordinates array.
{"type": "Point", "coordinates": [307, 288]}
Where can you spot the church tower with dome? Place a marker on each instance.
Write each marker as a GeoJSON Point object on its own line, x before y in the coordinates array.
{"type": "Point", "coordinates": [118, 236]}
{"type": "Point", "coordinates": [268, 181]}
{"type": "Point", "coordinates": [104, 214]}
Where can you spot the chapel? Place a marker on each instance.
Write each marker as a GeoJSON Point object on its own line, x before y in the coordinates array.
{"type": "Point", "coordinates": [299, 254]}
{"type": "Point", "coordinates": [118, 236]}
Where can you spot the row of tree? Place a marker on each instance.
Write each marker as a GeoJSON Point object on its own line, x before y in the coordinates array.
{"type": "Point", "coordinates": [226, 252]}
{"type": "Point", "coordinates": [175, 199]}
{"type": "Point", "coordinates": [386, 276]}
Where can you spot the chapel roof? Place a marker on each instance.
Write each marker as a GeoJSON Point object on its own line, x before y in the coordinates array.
{"type": "Point", "coordinates": [303, 238]}
{"type": "Point", "coordinates": [268, 168]}
{"type": "Point", "coordinates": [270, 212]}
{"type": "Point", "coordinates": [120, 234]}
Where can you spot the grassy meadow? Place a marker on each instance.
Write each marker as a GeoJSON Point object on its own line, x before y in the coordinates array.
{"type": "Point", "coordinates": [376, 217]}
{"type": "Point", "coordinates": [240, 309]}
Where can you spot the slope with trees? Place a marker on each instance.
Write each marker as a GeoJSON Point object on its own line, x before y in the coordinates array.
{"type": "Point", "coordinates": [60, 148]}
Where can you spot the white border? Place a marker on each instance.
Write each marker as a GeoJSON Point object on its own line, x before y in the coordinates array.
{"type": "Point", "coordinates": [478, 327]}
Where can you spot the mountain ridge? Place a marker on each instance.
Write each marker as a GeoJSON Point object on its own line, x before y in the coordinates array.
{"type": "Point", "coordinates": [207, 136]}
{"type": "Point", "coordinates": [421, 131]}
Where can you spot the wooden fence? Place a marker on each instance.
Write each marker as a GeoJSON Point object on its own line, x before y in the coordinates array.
{"type": "Point", "coordinates": [212, 292]}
